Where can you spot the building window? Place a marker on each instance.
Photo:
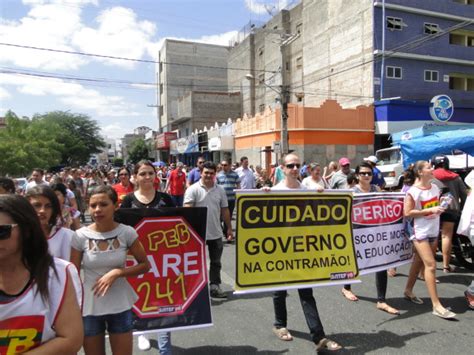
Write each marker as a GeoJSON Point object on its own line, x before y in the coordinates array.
{"type": "Point", "coordinates": [393, 73]}
{"type": "Point", "coordinates": [287, 66]}
{"type": "Point", "coordinates": [430, 28]}
{"type": "Point", "coordinates": [299, 62]}
{"type": "Point", "coordinates": [395, 23]}
{"type": "Point", "coordinates": [260, 51]}
{"type": "Point", "coordinates": [261, 78]}
{"type": "Point", "coordinates": [431, 76]}
{"type": "Point", "coordinates": [461, 82]}
{"type": "Point", "coordinates": [465, 2]}
{"type": "Point", "coordinates": [462, 38]}
{"type": "Point", "coordinates": [261, 108]}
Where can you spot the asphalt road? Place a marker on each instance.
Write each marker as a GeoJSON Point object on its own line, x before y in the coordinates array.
{"type": "Point", "coordinates": [243, 323]}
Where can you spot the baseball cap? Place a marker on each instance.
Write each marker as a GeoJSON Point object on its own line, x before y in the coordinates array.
{"type": "Point", "coordinates": [372, 159]}
{"type": "Point", "coordinates": [344, 161]}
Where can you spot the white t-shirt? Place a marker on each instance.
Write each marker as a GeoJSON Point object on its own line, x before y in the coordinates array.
{"type": "Point", "coordinates": [32, 316]}
{"type": "Point", "coordinates": [313, 185]}
{"type": "Point", "coordinates": [281, 186]}
{"type": "Point", "coordinates": [103, 252]}
{"type": "Point", "coordinates": [214, 199]}
{"type": "Point", "coordinates": [425, 226]}
{"type": "Point", "coordinates": [59, 242]}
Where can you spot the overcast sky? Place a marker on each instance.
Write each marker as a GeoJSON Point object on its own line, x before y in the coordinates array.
{"type": "Point", "coordinates": [117, 92]}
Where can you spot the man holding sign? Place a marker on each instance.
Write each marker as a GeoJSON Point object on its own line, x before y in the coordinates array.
{"type": "Point", "coordinates": [291, 169]}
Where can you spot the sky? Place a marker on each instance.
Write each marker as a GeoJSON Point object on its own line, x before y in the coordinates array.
{"type": "Point", "coordinates": [119, 94]}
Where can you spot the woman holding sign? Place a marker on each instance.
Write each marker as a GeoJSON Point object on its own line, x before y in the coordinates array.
{"type": "Point", "coordinates": [147, 197]}
{"type": "Point", "coordinates": [364, 174]}
{"type": "Point", "coordinates": [422, 207]}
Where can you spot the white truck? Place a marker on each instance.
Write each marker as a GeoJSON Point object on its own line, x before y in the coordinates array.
{"type": "Point", "coordinates": [390, 164]}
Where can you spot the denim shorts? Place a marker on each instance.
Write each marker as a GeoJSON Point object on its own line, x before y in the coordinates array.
{"type": "Point", "coordinates": [114, 323]}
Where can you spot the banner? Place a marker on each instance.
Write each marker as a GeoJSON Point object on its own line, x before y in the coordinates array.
{"type": "Point", "coordinates": [174, 294]}
{"type": "Point", "coordinates": [293, 239]}
{"type": "Point", "coordinates": [379, 237]}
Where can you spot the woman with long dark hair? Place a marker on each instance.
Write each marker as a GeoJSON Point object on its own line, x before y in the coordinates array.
{"type": "Point", "coordinates": [47, 206]}
{"type": "Point", "coordinates": [36, 290]}
{"type": "Point", "coordinates": [423, 208]}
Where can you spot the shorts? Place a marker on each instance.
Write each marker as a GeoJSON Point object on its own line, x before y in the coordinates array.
{"type": "Point", "coordinates": [449, 216]}
{"type": "Point", "coordinates": [429, 239]}
{"type": "Point", "coordinates": [114, 323]}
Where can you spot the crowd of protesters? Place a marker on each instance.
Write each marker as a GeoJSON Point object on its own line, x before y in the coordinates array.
{"type": "Point", "coordinates": [45, 239]}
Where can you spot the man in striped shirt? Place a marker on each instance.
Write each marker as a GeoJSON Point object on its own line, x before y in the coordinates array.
{"type": "Point", "coordinates": [230, 181]}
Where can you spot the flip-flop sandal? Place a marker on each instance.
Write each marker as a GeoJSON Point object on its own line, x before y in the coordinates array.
{"type": "Point", "coordinates": [327, 344]}
{"type": "Point", "coordinates": [386, 308]}
{"type": "Point", "coordinates": [349, 295]}
{"type": "Point", "coordinates": [413, 299]}
{"type": "Point", "coordinates": [282, 334]}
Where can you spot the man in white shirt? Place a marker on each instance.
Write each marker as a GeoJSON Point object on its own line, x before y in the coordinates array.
{"type": "Point", "coordinates": [247, 178]}
{"type": "Point", "coordinates": [36, 179]}
{"type": "Point", "coordinates": [291, 168]}
{"type": "Point", "coordinates": [206, 193]}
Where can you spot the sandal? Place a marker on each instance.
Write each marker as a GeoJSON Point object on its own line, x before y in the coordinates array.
{"type": "Point", "coordinates": [413, 299]}
{"type": "Point", "coordinates": [448, 269]}
{"type": "Point", "coordinates": [282, 334]}
{"type": "Point", "coordinates": [349, 295]}
{"type": "Point", "coordinates": [327, 344]}
{"type": "Point", "coordinates": [444, 313]}
{"type": "Point", "coordinates": [386, 308]}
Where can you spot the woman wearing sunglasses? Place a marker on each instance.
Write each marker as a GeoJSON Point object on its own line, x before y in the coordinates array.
{"type": "Point", "coordinates": [37, 295]}
{"type": "Point", "coordinates": [364, 173]}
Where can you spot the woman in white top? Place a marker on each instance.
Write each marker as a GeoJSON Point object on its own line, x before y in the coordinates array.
{"type": "Point", "coordinates": [48, 208]}
{"type": "Point", "coordinates": [102, 250]}
{"type": "Point", "coordinates": [422, 206]}
{"type": "Point", "coordinates": [37, 296]}
{"type": "Point", "coordinates": [315, 181]}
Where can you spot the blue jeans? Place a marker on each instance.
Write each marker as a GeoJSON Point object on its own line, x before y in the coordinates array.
{"type": "Point", "coordinates": [114, 323]}
{"type": "Point", "coordinates": [178, 200]}
{"type": "Point", "coordinates": [308, 303]}
{"type": "Point", "coordinates": [164, 343]}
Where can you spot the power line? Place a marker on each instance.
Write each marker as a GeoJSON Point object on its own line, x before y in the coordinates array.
{"type": "Point", "coordinates": [128, 59]}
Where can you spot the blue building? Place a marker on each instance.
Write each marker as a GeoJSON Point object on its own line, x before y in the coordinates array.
{"type": "Point", "coordinates": [422, 48]}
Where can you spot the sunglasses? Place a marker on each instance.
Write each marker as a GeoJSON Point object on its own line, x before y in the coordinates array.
{"type": "Point", "coordinates": [365, 173]}
{"type": "Point", "coordinates": [292, 166]}
{"type": "Point", "coordinates": [200, 162]}
{"type": "Point", "coordinates": [6, 230]}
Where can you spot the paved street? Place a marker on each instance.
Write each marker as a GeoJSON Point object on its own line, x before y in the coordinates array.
{"type": "Point", "coordinates": [242, 324]}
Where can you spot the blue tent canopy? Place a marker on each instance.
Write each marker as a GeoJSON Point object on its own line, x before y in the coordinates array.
{"type": "Point", "coordinates": [436, 142]}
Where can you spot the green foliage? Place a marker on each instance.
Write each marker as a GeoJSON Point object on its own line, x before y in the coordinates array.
{"type": "Point", "coordinates": [26, 144]}
{"type": "Point", "coordinates": [117, 162]}
{"type": "Point", "coordinates": [47, 140]}
{"type": "Point", "coordinates": [78, 134]}
{"type": "Point", "coordinates": [139, 150]}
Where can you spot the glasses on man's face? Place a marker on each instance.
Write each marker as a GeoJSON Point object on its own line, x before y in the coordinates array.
{"type": "Point", "coordinates": [292, 166]}
{"type": "Point", "coordinates": [6, 231]}
{"type": "Point", "coordinates": [224, 164]}
{"type": "Point", "coordinates": [200, 162]}
{"type": "Point", "coordinates": [365, 173]}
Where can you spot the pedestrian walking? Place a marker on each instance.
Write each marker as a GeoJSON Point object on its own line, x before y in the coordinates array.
{"type": "Point", "coordinates": [176, 184]}
{"type": "Point", "coordinates": [230, 181]}
{"type": "Point", "coordinates": [246, 175]}
{"type": "Point", "coordinates": [195, 174]}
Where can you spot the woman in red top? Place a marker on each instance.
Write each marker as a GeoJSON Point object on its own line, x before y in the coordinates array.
{"type": "Point", "coordinates": [124, 187]}
{"type": "Point", "coordinates": [176, 184]}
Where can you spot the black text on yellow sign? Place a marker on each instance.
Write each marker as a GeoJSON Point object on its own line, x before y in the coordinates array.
{"type": "Point", "coordinates": [294, 238]}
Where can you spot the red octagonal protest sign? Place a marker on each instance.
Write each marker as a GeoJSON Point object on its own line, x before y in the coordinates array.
{"type": "Point", "coordinates": [178, 267]}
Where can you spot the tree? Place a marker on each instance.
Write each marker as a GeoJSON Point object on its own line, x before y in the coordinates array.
{"type": "Point", "coordinates": [139, 150]}
{"type": "Point", "coordinates": [117, 162]}
{"type": "Point", "coordinates": [78, 134]}
{"type": "Point", "coordinates": [27, 144]}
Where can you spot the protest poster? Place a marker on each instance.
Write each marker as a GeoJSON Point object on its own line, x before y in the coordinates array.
{"type": "Point", "coordinates": [379, 237]}
{"type": "Point", "coordinates": [293, 239]}
{"type": "Point", "coordinates": [174, 294]}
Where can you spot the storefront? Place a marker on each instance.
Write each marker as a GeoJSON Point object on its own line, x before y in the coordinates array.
{"type": "Point", "coordinates": [221, 142]}
{"type": "Point", "coordinates": [163, 145]}
{"type": "Point", "coordinates": [185, 149]}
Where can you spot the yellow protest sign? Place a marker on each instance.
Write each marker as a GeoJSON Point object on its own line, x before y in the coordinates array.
{"type": "Point", "coordinates": [293, 239]}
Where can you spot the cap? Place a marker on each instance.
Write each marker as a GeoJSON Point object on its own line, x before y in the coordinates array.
{"type": "Point", "coordinates": [344, 161]}
{"type": "Point", "coordinates": [372, 159]}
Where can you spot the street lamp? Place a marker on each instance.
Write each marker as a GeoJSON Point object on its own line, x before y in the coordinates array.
{"type": "Point", "coordinates": [283, 94]}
